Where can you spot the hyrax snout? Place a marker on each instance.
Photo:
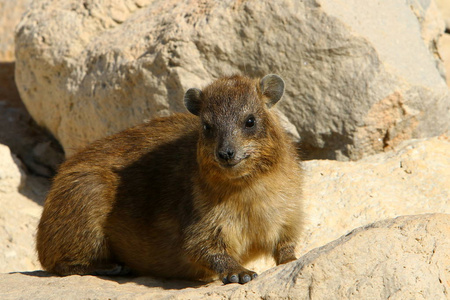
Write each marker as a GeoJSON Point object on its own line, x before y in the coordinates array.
{"type": "Point", "coordinates": [190, 196]}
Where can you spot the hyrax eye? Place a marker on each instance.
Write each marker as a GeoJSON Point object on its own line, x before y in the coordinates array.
{"type": "Point", "coordinates": [250, 122]}
{"type": "Point", "coordinates": [207, 127]}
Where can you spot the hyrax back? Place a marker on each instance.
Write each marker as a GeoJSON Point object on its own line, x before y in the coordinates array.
{"type": "Point", "coordinates": [188, 196]}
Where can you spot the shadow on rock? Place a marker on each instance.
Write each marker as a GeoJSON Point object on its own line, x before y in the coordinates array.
{"type": "Point", "coordinates": [166, 284]}
{"type": "Point", "coordinates": [34, 273]}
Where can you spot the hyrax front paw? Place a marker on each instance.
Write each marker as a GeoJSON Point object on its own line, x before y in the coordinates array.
{"type": "Point", "coordinates": [239, 276]}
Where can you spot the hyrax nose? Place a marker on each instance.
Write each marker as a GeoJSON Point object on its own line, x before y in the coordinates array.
{"type": "Point", "coordinates": [226, 154]}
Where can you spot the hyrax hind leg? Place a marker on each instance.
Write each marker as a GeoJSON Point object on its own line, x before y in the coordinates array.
{"type": "Point", "coordinates": [70, 237]}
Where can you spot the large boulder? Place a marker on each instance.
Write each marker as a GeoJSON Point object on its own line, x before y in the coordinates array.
{"type": "Point", "coordinates": [361, 77]}
{"type": "Point", "coordinates": [402, 258]}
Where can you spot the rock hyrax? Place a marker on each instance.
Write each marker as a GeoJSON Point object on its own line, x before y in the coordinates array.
{"type": "Point", "coordinates": [190, 196]}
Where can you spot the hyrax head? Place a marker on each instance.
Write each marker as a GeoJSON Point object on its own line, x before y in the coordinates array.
{"type": "Point", "coordinates": [239, 134]}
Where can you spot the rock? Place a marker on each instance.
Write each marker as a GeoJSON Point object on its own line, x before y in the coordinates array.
{"type": "Point", "coordinates": [18, 217]}
{"type": "Point", "coordinates": [340, 196]}
{"type": "Point", "coordinates": [40, 153]}
{"type": "Point", "coordinates": [10, 174]}
{"type": "Point", "coordinates": [444, 7]}
{"type": "Point", "coordinates": [355, 85]}
{"type": "Point", "coordinates": [20, 192]}
{"type": "Point", "coordinates": [10, 13]}
{"type": "Point", "coordinates": [444, 50]}
{"type": "Point", "coordinates": [17, 129]}
{"type": "Point", "coordinates": [432, 27]}
{"type": "Point", "coordinates": [402, 258]}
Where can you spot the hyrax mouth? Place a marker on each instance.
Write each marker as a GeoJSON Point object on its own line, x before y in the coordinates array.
{"type": "Point", "coordinates": [231, 162]}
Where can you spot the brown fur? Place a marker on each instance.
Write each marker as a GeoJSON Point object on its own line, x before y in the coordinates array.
{"type": "Point", "coordinates": [163, 199]}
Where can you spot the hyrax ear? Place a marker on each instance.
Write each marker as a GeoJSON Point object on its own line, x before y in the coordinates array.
{"type": "Point", "coordinates": [272, 86]}
{"type": "Point", "coordinates": [192, 100]}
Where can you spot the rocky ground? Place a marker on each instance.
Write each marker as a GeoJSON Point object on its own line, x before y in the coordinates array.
{"type": "Point", "coordinates": [385, 257]}
{"type": "Point", "coordinates": [402, 258]}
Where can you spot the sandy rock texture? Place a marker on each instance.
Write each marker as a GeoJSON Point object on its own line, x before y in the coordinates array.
{"type": "Point", "coordinates": [18, 214]}
{"type": "Point", "coordinates": [444, 49]}
{"type": "Point", "coordinates": [444, 7]}
{"type": "Point", "coordinates": [402, 258]}
{"type": "Point", "coordinates": [444, 41]}
{"type": "Point", "coordinates": [432, 28]}
{"type": "Point", "coordinates": [339, 196]}
{"type": "Point", "coordinates": [10, 174]}
{"type": "Point", "coordinates": [356, 83]}
{"type": "Point", "coordinates": [10, 14]}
